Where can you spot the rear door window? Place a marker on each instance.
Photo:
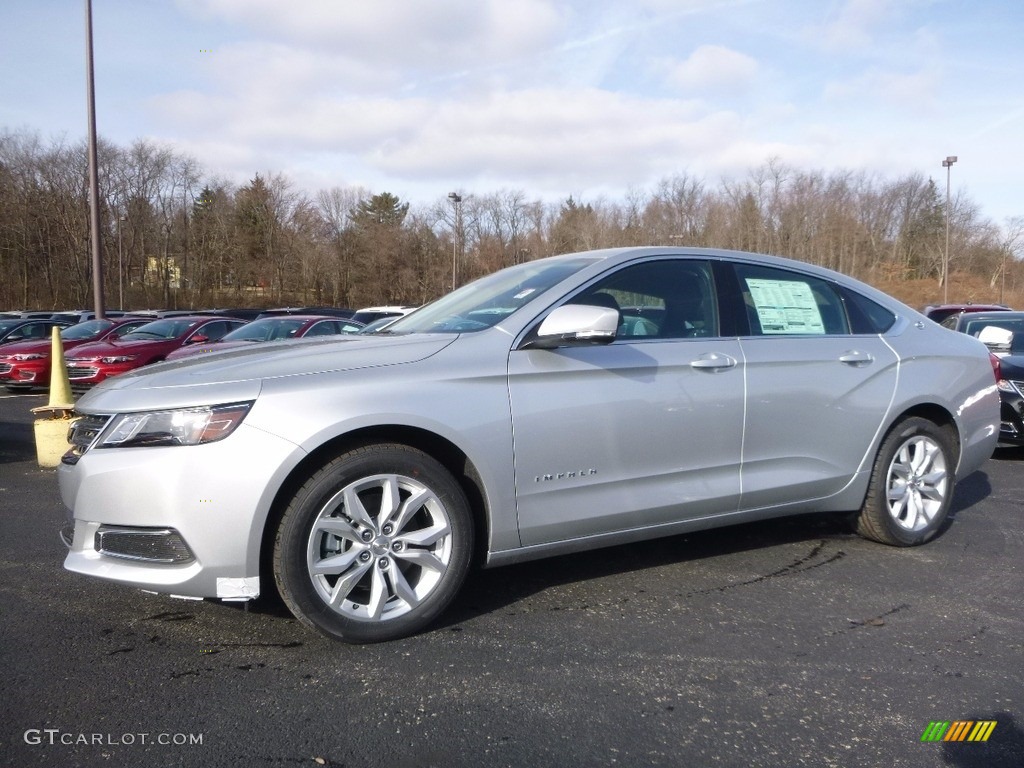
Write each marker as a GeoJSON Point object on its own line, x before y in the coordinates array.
{"type": "Point", "coordinates": [783, 303]}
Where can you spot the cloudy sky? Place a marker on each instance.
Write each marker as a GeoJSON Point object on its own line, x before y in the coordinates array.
{"type": "Point", "coordinates": [552, 97]}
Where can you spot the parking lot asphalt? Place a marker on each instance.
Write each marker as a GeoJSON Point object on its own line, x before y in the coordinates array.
{"type": "Point", "coordinates": [786, 643]}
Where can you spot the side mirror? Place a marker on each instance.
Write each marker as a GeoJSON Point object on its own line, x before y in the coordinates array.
{"type": "Point", "coordinates": [198, 339]}
{"type": "Point", "coordinates": [574, 325]}
{"type": "Point", "coordinates": [995, 337]}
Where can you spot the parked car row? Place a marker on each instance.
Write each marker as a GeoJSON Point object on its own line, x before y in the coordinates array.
{"type": "Point", "coordinates": [26, 364]}
{"type": "Point", "coordinates": [14, 330]}
{"type": "Point", "coordinates": [98, 349]}
{"type": "Point", "coordinates": [274, 328]}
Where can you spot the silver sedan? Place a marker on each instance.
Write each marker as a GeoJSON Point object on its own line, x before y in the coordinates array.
{"type": "Point", "coordinates": [563, 404]}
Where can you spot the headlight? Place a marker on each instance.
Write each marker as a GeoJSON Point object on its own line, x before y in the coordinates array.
{"type": "Point", "coordinates": [1011, 387]}
{"type": "Point", "coordinates": [185, 426]}
{"type": "Point", "coordinates": [28, 356]}
{"type": "Point", "coordinates": [117, 359]}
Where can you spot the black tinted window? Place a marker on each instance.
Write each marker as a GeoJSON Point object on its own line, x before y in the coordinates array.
{"type": "Point", "coordinates": [867, 316]}
{"type": "Point", "coordinates": [667, 299]}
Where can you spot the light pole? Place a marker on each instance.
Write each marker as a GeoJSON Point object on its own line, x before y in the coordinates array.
{"type": "Point", "coordinates": [456, 202]}
{"type": "Point", "coordinates": [947, 164]}
{"type": "Point", "coordinates": [120, 264]}
{"type": "Point", "coordinates": [94, 185]}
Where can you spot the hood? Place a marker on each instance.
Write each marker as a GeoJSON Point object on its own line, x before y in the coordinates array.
{"type": "Point", "coordinates": [237, 374]}
{"type": "Point", "coordinates": [120, 347]}
{"type": "Point", "coordinates": [23, 347]}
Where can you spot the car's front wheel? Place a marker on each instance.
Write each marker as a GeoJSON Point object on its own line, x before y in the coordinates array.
{"type": "Point", "coordinates": [374, 545]}
{"type": "Point", "coordinates": [911, 485]}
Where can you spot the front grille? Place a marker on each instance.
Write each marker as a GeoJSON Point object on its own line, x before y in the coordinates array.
{"type": "Point", "coordinates": [5, 367]}
{"type": "Point", "coordinates": [152, 545]}
{"type": "Point", "coordinates": [83, 433]}
{"type": "Point", "coordinates": [81, 372]}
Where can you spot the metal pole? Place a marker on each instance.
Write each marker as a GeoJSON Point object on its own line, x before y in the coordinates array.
{"type": "Point", "coordinates": [456, 201]}
{"type": "Point", "coordinates": [94, 185]}
{"type": "Point", "coordinates": [947, 164]}
{"type": "Point", "coordinates": [120, 265]}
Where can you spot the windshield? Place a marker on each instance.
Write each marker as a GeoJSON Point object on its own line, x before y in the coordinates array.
{"type": "Point", "coordinates": [268, 329]}
{"type": "Point", "coordinates": [160, 329]}
{"type": "Point", "coordinates": [489, 300]}
{"type": "Point", "coordinates": [87, 330]}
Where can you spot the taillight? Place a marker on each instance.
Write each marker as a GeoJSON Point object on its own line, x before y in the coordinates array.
{"type": "Point", "coordinates": [1001, 384]}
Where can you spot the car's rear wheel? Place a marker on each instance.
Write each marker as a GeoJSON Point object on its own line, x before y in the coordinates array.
{"type": "Point", "coordinates": [374, 545]}
{"type": "Point", "coordinates": [911, 485]}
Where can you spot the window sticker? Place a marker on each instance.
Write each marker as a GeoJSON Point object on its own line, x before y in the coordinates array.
{"type": "Point", "coordinates": [785, 307]}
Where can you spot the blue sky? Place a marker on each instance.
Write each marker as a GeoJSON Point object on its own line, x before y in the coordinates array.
{"type": "Point", "coordinates": [585, 97]}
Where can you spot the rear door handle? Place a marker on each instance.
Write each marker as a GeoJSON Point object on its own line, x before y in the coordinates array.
{"type": "Point", "coordinates": [713, 361]}
{"type": "Point", "coordinates": [856, 358]}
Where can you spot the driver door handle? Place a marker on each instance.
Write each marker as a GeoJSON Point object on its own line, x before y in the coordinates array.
{"type": "Point", "coordinates": [714, 361]}
{"type": "Point", "coordinates": [856, 358]}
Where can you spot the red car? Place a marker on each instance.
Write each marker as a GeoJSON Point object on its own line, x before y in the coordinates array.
{"type": "Point", "coordinates": [16, 329]}
{"type": "Point", "coordinates": [26, 364]}
{"type": "Point", "coordinates": [939, 312]}
{"type": "Point", "coordinates": [90, 364]}
{"type": "Point", "coordinates": [276, 328]}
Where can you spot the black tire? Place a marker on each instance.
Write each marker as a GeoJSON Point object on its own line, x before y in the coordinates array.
{"type": "Point", "coordinates": [911, 485]}
{"type": "Point", "coordinates": [375, 545]}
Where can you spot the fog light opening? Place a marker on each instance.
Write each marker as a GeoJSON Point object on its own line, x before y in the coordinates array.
{"type": "Point", "coordinates": [150, 545]}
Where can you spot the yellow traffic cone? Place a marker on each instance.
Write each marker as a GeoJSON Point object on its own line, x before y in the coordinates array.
{"type": "Point", "coordinates": [60, 385]}
{"type": "Point", "coordinates": [51, 433]}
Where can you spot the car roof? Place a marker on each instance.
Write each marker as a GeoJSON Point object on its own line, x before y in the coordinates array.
{"type": "Point", "coordinates": [190, 318]}
{"type": "Point", "coordinates": [304, 318]}
{"type": "Point", "coordinates": [239, 313]}
{"type": "Point", "coordinates": [335, 312]}
{"type": "Point", "coordinates": [1001, 315]}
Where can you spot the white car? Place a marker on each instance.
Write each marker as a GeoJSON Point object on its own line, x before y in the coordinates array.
{"type": "Point", "coordinates": [559, 405]}
{"type": "Point", "coordinates": [367, 315]}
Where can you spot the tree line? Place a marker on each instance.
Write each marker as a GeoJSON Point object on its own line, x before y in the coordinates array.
{"type": "Point", "coordinates": [173, 236]}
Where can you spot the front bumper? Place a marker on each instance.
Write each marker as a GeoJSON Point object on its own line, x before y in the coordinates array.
{"type": "Point", "coordinates": [125, 500]}
{"type": "Point", "coordinates": [1011, 418]}
{"type": "Point", "coordinates": [86, 372]}
{"type": "Point", "coordinates": [17, 373]}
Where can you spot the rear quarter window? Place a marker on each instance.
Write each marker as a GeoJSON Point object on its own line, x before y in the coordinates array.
{"type": "Point", "coordinates": [866, 316]}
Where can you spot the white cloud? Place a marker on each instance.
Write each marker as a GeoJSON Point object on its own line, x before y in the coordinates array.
{"type": "Point", "coordinates": [550, 96]}
{"type": "Point", "coordinates": [519, 133]}
{"type": "Point", "coordinates": [427, 35]}
{"type": "Point", "coordinates": [712, 67]}
{"type": "Point", "coordinates": [853, 27]}
{"type": "Point", "coordinates": [907, 92]}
